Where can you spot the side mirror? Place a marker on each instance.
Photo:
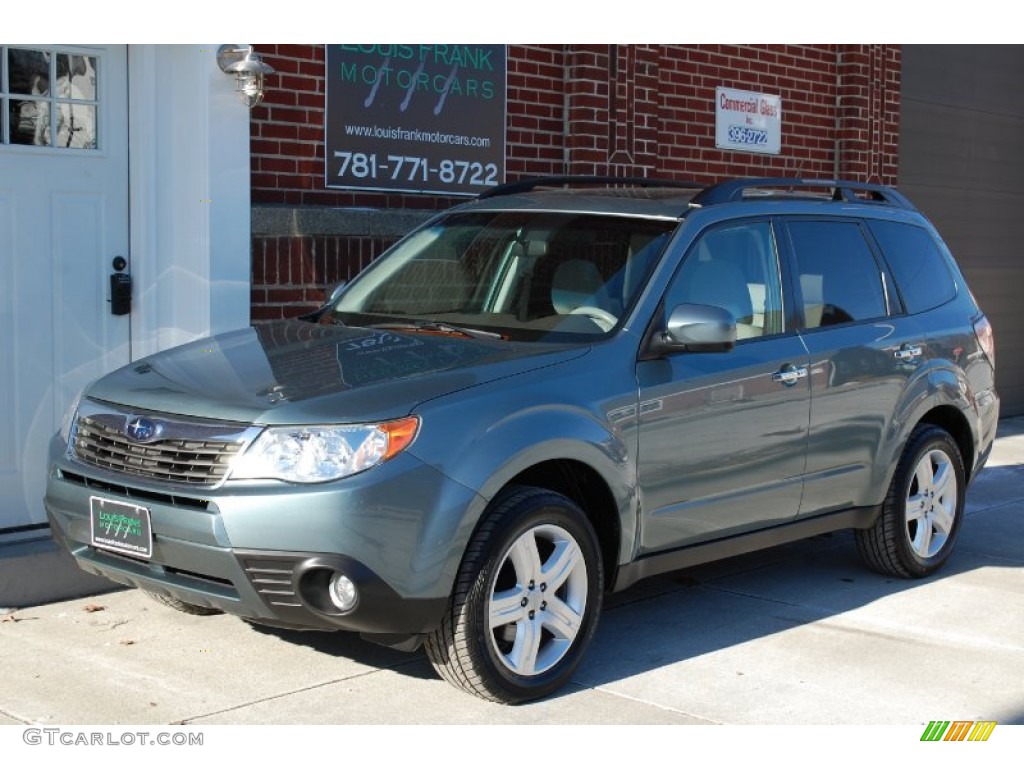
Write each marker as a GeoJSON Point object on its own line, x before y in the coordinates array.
{"type": "Point", "coordinates": [696, 328]}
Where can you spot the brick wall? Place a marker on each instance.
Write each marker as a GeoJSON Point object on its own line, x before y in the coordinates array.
{"type": "Point", "coordinates": [644, 110]}
{"type": "Point", "coordinates": [292, 274]}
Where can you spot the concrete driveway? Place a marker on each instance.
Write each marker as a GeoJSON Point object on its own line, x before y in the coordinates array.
{"type": "Point", "coordinates": [802, 634]}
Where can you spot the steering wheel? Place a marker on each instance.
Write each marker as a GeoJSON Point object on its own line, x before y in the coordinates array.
{"type": "Point", "coordinates": [605, 319]}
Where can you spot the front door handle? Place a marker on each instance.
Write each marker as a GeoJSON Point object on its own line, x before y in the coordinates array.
{"type": "Point", "coordinates": [790, 374]}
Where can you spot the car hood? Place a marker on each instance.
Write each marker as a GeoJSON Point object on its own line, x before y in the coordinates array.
{"type": "Point", "coordinates": [295, 372]}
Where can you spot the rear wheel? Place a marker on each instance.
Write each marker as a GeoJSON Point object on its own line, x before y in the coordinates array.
{"type": "Point", "coordinates": [526, 600]}
{"type": "Point", "coordinates": [181, 605]}
{"type": "Point", "coordinates": [923, 510]}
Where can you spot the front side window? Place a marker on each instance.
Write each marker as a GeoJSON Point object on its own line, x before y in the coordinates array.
{"type": "Point", "coordinates": [839, 279]}
{"type": "Point", "coordinates": [517, 275]}
{"type": "Point", "coordinates": [734, 267]}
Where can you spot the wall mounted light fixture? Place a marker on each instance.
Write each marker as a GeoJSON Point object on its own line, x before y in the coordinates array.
{"type": "Point", "coordinates": [248, 69]}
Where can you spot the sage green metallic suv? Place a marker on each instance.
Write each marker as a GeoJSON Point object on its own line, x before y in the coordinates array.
{"type": "Point", "coordinates": [541, 396]}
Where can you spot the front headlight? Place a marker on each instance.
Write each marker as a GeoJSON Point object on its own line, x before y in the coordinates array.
{"type": "Point", "coordinates": [68, 422]}
{"type": "Point", "coordinates": [316, 454]}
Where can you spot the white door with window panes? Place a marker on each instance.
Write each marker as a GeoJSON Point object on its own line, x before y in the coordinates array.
{"type": "Point", "coordinates": [63, 221]}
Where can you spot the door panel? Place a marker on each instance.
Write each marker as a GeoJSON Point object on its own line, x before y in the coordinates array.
{"type": "Point", "coordinates": [857, 380]}
{"type": "Point", "coordinates": [863, 354]}
{"type": "Point", "coordinates": [722, 443]}
{"type": "Point", "coordinates": [63, 218]}
{"type": "Point", "coordinates": [723, 434]}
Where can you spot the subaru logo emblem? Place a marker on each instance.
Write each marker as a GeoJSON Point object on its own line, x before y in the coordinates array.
{"type": "Point", "coordinates": [141, 430]}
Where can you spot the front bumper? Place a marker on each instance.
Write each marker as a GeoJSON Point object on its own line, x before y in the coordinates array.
{"type": "Point", "coordinates": [266, 552]}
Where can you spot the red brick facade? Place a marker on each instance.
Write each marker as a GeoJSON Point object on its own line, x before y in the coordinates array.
{"type": "Point", "coordinates": [640, 110]}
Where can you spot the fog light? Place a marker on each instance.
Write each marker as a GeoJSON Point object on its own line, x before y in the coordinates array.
{"type": "Point", "coordinates": [343, 592]}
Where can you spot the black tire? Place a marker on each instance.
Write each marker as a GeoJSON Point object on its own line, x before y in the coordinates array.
{"type": "Point", "coordinates": [501, 664]}
{"type": "Point", "coordinates": [181, 605]}
{"type": "Point", "coordinates": [923, 510]}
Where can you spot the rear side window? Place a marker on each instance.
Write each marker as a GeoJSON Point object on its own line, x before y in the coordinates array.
{"type": "Point", "coordinates": [918, 267]}
{"type": "Point", "coordinates": [840, 281]}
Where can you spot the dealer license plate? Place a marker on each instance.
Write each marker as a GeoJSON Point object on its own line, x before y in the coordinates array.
{"type": "Point", "coordinates": [121, 527]}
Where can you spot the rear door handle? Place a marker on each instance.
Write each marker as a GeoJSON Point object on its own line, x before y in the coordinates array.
{"type": "Point", "coordinates": [907, 352]}
{"type": "Point", "coordinates": [790, 374]}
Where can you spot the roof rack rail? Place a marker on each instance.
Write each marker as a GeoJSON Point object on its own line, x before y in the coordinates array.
{"type": "Point", "coordinates": [525, 185]}
{"type": "Point", "coordinates": [842, 191]}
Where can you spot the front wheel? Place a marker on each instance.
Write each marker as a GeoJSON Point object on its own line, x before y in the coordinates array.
{"type": "Point", "coordinates": [526, 600]}
{"type": "Point", "coordinates": [923, 510]}
{"type": "Point", "coordinates": [181, 605]}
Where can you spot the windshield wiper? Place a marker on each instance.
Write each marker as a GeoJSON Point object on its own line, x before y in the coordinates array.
{"type": "Point", "coordinates": [432, 326]}
{"type": "Point", "coordinates": [322, 315]}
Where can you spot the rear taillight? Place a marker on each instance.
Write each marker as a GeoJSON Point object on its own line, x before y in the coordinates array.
{"type": "Point", "coordinates": [986, 338]}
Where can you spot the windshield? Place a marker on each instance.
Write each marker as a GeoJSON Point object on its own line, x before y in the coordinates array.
{"type": "Point", "coordinates": [517, 275]}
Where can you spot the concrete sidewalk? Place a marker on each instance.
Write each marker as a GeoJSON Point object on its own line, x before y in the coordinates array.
{"type": "Point", "coordinates": [802, 634]}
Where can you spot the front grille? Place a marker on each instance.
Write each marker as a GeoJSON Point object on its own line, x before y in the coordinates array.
{"type": "Point", "coordinates": [186, 461]}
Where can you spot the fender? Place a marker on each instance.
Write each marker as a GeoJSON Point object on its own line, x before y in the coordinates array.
{"type": "Point", "coordinates": [936, 384]}
{"type": "Point", "coordinates": [917, 399]}
{"type": "Point", "coordinates": [482, 438]}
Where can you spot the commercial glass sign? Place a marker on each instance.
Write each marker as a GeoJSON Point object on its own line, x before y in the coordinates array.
{"type": "Point", "coordinates": [416, 118]}
{"type": "Point", "coordinates": [748, 122]}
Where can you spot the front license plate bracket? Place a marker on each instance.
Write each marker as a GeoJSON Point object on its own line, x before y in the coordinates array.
{"type": "Point", "coordinates": [117, 526]}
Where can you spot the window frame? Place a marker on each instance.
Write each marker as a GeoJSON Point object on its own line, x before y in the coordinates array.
{"type": "Point", "coordinates": [892, 302]}
{"type": "Point", "coordinates": [786, 297]}
{"type": "Point", "coordinates": [540, 221]}
{"type": "Point", "coordinates": [941, 251]}
{"type": "Point", "coordinates": [98, 103]}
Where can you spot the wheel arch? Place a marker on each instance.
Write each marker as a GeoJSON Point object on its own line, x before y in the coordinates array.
{"type": "Point", "coordinates": [913, 535]}
{"type": "Point", "coordinates": [953, 421]}
{"type": "Point", "coordinates": [585, 486]}
{"type": "Point", "coordinates": [569, 450]}
{"type": "Point", "coordinates": [924, 409]}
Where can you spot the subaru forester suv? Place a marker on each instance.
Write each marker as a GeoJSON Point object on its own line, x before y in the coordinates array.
{"type": "Point", "coordinates": [540, 396]}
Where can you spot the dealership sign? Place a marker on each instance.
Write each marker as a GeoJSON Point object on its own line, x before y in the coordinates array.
{"type": "Point", "coordinates": [416, 118]}
{"type": "Point", "coordinates": [748, 122]}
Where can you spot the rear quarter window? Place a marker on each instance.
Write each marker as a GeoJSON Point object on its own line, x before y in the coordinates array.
{"type": "Point", "coordinates": [920, 270]}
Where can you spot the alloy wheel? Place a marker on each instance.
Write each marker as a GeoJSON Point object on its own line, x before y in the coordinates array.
{"type": "Point", "coordinates": [537, 600]}
{"type": "Point", "coordinates": [931, 503]}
